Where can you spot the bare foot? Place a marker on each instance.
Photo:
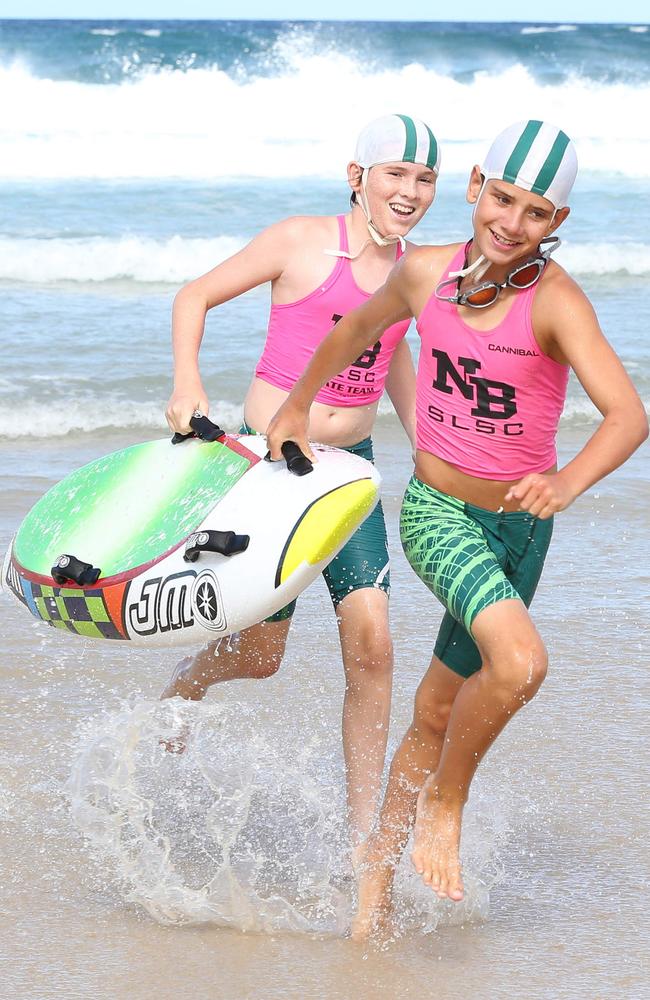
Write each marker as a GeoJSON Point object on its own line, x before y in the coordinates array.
{"type": "Point", "coordinates": [374, 911]}
{"type": "Point", "coordinates": [436, 842]}
{"type": "Point", "coordinates": [178, 743]}
{"type": "Point", "coordinates": [178, 686]}
{"type": "Point", "coordinates": [182, 685]}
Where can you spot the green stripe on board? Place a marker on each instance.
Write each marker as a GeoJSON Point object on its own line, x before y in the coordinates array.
{"type": "Point", "coordinates": [411, 145]}
{"type": "Point", "coordinates": [551, 165]}
{"type": "Point", "coordinates": [521, 151]}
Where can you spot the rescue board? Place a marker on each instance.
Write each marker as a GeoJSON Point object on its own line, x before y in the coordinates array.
{"type": "Point", "coordinates": [174, 543]}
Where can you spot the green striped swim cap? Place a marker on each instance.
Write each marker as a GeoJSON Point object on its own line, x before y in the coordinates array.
{"type": "Point", "coordinates": [535, 156]}
{"type": "Point", "coordinates": [397, 139]}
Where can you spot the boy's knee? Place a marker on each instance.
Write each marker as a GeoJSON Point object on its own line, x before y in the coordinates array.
{"type": "Point", "coordinates": [264, 661]}
{"type": "Point", "coordinates": [430, 713]}
{"type": "Point", "coordinates": [259, 669]}
{"type": "Point", "coordinates": [522, 667]}
{"type": "Point", "coordinates": [370, 657]}
{"type": "Point", "coordinates": [260, 653]}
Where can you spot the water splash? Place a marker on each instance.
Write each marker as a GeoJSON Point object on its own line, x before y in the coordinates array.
{"type": "Point", "coordinates": [246, 828]}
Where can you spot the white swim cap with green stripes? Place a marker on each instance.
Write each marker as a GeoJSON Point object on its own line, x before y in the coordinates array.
{"type": "Point", "coordinates": [397, 139]}
{"type": "Point", "coordinates": [535, 156]}
{"type": "Point", "coordinates": [391, 139]}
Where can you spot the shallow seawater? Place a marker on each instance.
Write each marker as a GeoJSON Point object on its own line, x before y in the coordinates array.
{"type": "Point", "coordinates": [126, 871]}
{"type": "Point", "coordinates": [234, 855]}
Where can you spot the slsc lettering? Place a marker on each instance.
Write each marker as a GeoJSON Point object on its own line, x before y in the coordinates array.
{"type": "Point", "coordinates": [479, 426]}
{"type": "Point", "coordinates": [356, 375]}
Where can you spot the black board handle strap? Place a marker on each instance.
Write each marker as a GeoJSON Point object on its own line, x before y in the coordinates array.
{"type": "Point", "coordinates": [202, 427]}
{"type": "Point", "coordinates": [69, 569]}
{"type": "Point", "coordinates": [297, 461]}
{"type": "Point", "coordinates": [226, 543]}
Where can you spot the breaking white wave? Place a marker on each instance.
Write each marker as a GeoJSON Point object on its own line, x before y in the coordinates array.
{"type": "Point", "coordinates": [548, 29]}
{"type": "Point", "coordinates": [87, 414]}
{"type": "Point", "coordinates": [178, 259]}
{"type": "Point", "coordinates": [203, 123]}
{"type": "Point", "coordinates": [80, 414]}
{"type": "Point", "coordinates": [92, 259]}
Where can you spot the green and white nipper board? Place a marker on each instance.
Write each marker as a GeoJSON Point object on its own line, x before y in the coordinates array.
{"type": "Point", "coordinates": [139, 515]}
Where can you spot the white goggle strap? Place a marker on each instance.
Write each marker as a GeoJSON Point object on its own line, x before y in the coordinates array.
{"type": "Point", "coordinates": [480, 266]}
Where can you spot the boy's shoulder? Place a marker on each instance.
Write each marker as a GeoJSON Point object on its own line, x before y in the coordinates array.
{"type": "Point", "coordinates": [562, 314]}
{"type": "Point", "coordinates": [558, 292]}
{"type": "Point", "coordinates": [300, 230]}
{"type": "Point", "coordinates": [420, 262]}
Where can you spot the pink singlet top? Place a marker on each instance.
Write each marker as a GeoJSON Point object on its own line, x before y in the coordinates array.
{"type": "Point", "coordinates": [488, 402]}
{"type": "Point", "coordinates": [297, 328]}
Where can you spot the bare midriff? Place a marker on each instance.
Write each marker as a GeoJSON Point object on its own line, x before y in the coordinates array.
{"type": "Point", "coordinates": [339, 426]}
{"type": "Point", "coordinates": [487, 493]}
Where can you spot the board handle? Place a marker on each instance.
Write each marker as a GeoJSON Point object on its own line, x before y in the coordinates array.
{"type": "Point", "coordinates": [226, 543]}
{"type": "Point", "coordinates": [297, 461]}
{"type": "Point", "coordinates": [69, 569]}
{"type": "Point", "coordinates": [202, 427]}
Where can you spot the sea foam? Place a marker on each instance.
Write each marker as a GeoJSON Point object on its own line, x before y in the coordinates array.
{"type": "Point", "coordinates": [145, 260]}
{"type": "Point", "coordinates": [202, 122]}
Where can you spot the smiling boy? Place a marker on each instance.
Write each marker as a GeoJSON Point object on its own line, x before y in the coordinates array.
{"type": "Point", "coordinates": [501, 325]}
{"type": "Point", "coordinates": [320, 267]}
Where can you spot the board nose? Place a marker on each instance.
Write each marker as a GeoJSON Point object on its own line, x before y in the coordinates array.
{"type": "Point", "coordinates": [325, 525]}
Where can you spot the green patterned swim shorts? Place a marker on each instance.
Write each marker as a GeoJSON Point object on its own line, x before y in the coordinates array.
{"type": "Point", "coordinates": [470, 558]}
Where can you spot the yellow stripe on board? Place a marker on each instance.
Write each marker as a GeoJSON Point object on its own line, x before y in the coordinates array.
{"type": "Point", "coordinates": [326, 525]}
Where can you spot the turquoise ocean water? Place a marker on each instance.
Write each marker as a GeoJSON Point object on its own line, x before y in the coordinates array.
{"type": "Point", "coordinates": [134, 156]}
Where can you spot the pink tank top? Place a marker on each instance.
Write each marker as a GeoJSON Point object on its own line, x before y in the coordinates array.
{"type": "Point", "coordinates": [297, 328]}
{"type": "Point", "coordinates": [488, 402]}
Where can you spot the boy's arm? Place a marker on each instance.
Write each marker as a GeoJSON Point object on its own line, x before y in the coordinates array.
{"type": "Point", "coordinates": [400, 386]}
{"type": "Point", "coordinates": [577, 337]}
{"type": "Point", "coordinates": [357, 330]}
{"type": "Point", "coordinates": [262, 260]}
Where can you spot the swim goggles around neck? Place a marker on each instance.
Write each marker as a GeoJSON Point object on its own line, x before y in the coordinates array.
{"type": "Point", "coordinates": [522, 276]}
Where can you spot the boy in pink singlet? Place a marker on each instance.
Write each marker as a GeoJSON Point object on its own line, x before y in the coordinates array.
{"type": "Point", "coordinates": [320, 268]}
{"type": "Point", "coordinates": [500, 324]}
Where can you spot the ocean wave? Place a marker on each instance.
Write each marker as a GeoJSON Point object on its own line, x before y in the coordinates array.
{"type": "Point", "coordinates": [148, 261]}
{"type": "Point", "coordinates": [631, 259]}
{"type": "Point", "coordinates": [204, 123]}
{"type": "Point", "coordinates": [548, 29]}
{"type": "Point", "coordinates": [78, 415]}
{"type": "Point", "coordinates": [95, 259]}
{"type": "Point", "coordinates": [107, 52]}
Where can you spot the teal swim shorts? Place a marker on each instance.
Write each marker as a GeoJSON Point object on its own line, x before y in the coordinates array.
{"type": "Point", "coordinates": [470, 558]}
{"type": "Point", "coordinates": [363, 561]}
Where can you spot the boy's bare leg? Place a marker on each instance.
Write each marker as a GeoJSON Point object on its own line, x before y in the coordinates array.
{"type": "Point", "coordinates": [514, 666]}
{"type": "Point", "coordinates": [416, 757]}
{"type": "Point", "coordinates": [255, 653]}
{"type": "Point", "coordinates": [368, 661]}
